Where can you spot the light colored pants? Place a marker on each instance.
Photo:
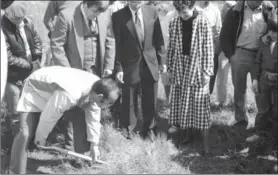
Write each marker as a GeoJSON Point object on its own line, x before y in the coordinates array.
{"type": "Point", "coordinates": [12, 96]}
{"type": "Point", "coordinates": [222, 78]}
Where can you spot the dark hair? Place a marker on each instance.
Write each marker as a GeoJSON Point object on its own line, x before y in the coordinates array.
{"type": "Point", "coordinates": [272, 24]}
{"type": "Point", "coordinates": [179, 4]}
{"type": "Point", "coordinates": [6, 4]}
{"type": "Point", "coordinates": [98, 4]}
{"type": "Point", "coordinates": [105, 86]}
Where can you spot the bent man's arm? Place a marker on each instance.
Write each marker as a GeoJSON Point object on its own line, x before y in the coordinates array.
{"type": "Point", "coordinates": [92, 117]}
{"type": "Point", "coordinates": [109, 57]}
{"type": "Point", "coordinates": [59, 102]}
{"type": "Point", "coordinates": [58, 41]}
{"type": "Point", "coordinates": [50, 13]}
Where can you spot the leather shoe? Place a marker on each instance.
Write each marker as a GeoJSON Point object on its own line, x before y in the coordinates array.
{"type": "Point", "coordinates": [126, 133]}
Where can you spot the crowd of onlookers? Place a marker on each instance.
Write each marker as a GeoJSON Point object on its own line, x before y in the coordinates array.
{"type": "Point", "coordinates": [191, 45]}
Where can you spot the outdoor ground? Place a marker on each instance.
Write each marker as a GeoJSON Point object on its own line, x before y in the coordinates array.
{"type": "Point", "coordinates": [231, 153]}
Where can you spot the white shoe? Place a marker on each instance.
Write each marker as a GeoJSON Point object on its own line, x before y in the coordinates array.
{"type": "Point", "coordinates": [173, 129]}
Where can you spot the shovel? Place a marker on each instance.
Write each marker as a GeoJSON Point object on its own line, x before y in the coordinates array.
{"type": "Point", "coordinates": [72, 153]}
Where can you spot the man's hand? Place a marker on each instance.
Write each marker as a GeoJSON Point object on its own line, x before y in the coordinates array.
{"type": "Point", "coordinates": [120, 77]}
{"type": "Point", "coordinates": [94, 153]}
{"type": "Point", "coordinates": [107, 72]}
{"type": "Point", "coordinates": [255, 87]}
{"type": "Point", "coordinates": [163, 68]}
{"type": "Point", "coordinates": [88, 70]}
{"type": "Point", "coordinates": [39, 144]}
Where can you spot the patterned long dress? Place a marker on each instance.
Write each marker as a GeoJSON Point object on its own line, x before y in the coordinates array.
{"type": "Point", "coordinates": [190, 102]}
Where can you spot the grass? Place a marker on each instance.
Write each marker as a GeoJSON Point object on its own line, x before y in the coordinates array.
{"type": "Point", "coordinates": [231, 153]}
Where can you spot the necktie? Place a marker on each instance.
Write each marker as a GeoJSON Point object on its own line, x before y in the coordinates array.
{"type": "Point", "coordinates": [93, 26]}
{"type": "Point", "coordinates": [139, 29]}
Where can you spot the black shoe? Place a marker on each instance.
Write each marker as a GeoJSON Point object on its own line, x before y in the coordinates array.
{"type": "Point", "coordinates": [126, 133]}
{"type": "Point", "coordinates": [206, 153]}
{"type": "Point", "coordinates": [150, 134]}
{"type": "Point", "coordinates": [253, 138]}
{"type": "Point", "coordinates": [240, 123]}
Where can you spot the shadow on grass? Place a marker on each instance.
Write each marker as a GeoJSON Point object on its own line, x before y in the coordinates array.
{"type": "Point", "coordinates": [35, 164]}
{"type": "Point", "coordinates": [231, 154]}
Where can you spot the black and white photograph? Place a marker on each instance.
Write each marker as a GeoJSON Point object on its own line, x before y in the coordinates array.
{"type": "Point", "coordinates": [139, 87]}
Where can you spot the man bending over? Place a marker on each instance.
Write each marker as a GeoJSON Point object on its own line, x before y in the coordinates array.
{"type": "Point", "coordinates": [47, 94]}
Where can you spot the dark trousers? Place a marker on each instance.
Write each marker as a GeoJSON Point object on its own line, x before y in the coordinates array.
{"type": "Point", "coordinates": [75, 130]}
{"type": "Point", "coordinates": [267, 103]}
{"type": "Point", "coordinates": [130, 104]}
{"type": "Point", "coordinates": [213, 78]}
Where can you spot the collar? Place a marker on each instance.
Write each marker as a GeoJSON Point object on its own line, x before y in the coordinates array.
{"type": "Point", "coordinates": [21, 25]}
{"type": "Point", "coordinates": [83, 13]}
{"type": "Point", "coordinates": [247, 6]}
{"type": "Point", "coordinates": [133, 12]}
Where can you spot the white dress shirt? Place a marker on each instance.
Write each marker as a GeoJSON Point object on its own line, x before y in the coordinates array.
{"type": "Point", "coordinates": [140, 16]}
{"type": "Point", "coordinates": [24, 38]}
{"type": "Point", "coordinates": [214, 16]}
{"type": "Point", "coordinates": [253, 27]}
{"type": "Point", "coordinates": [54, 90]}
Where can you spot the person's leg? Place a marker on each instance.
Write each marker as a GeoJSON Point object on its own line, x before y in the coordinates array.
{"type": "Point", "coordinates": [12, 96]}
{"type": "Point", "coordinates": [167, 89]}
{"type": "Point", "coordinates": [241, 64]}
{"type": "Point", "coordinates": [77, 118]}
{"type": "Point", "coordinates": [263, 101]}
{"type": "Point", "coordinates": [67, 128]}
{"type": "Point", "coordinates": [205, 135]}
{"type": "Point", "coordinates": [222, 79]}
{"type": "Point", "coordinates": [128, 108]}
{"type": "Point", "coordinates": [212, 79]}
{"type": "Point", "coordinates": [116, 112]}
{"type": "Point", "coordinates": [149, 105]}
{"type": "Point", "coordinates": [28, 124]}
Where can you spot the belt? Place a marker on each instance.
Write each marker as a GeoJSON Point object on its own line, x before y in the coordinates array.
{"type": "Point", "coordinates": [249, 50]}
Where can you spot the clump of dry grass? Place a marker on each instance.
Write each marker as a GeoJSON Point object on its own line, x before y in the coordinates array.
{"type": "Point", "coordinates": [134, 156]}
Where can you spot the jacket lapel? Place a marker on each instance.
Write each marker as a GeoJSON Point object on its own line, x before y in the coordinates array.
{"type": "Point", "coordinates": [101, 30]}
{"type": "Point", "coordinates": [131, 27]}
{"type": "Point", "coordinates": [147, 23]}
{"type": "Point", "coordinates": [79, 33]}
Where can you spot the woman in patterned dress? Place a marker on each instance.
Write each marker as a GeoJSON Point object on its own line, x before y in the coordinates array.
{"type": "Point", "coordinates": [190, 65]}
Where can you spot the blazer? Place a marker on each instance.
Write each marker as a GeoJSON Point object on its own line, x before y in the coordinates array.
{"type": "Point", "coordinates": [53, 9]}
{"type": "Point", "coordinates": [18, 65]}
{"type": "Point", "coordinates": [129, 51]}
{"type": "Point", "coordinates": [67, 41]}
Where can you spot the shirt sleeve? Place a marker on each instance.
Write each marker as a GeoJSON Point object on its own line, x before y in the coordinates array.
{"type": "Point", "coordinates": [50, 14]}
{"type": "Point", "coordinates": [218, 26]}
{"type": "Point", "coordinates": [92, 117]}
{"type": "Point", "coordinates": [58, 103]}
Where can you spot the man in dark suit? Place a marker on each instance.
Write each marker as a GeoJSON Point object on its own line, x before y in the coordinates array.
{"type": "Point", "coordinates": [139, 52]}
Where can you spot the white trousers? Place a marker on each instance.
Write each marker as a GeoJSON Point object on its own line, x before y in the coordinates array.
{"type": "Point", "coordinates": [222, 78]}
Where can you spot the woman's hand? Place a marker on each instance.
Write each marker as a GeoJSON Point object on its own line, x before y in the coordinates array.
{"type": "Point", "coordinates": [205, 79]}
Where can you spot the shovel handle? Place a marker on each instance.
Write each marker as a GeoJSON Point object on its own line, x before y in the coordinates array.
{"type": "Point", "coordinates": [81, 156]}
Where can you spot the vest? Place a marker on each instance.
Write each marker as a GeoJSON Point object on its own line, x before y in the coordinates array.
{"type": "Point", "coordinates": [91, 40]}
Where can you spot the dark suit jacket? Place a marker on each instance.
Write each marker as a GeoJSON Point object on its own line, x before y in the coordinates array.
{"type": "Point", "coordinates": [67, 41]}
{"type": "Point", "coordinates": [129, 51]}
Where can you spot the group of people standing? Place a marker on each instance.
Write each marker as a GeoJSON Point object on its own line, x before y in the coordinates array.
{"type": "Point", "coordinates": [133, 43]}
